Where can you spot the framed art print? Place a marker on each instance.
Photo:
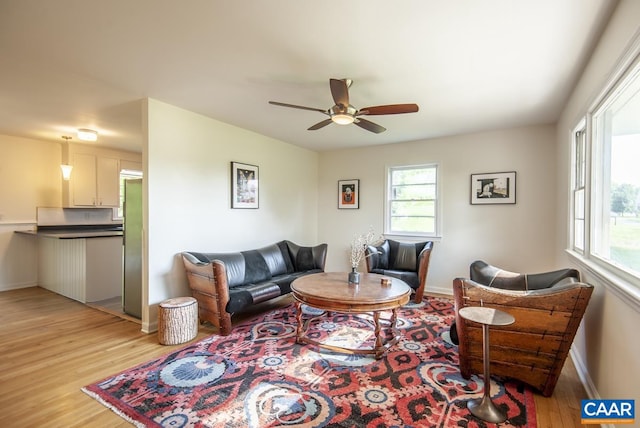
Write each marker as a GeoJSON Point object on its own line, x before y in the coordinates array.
{"type": "Point", "coordinates": [244, 185]}
{"type": "Point", "coordinates": [348, 194]}
{"type": "Point", "coordinates": [493, 188]}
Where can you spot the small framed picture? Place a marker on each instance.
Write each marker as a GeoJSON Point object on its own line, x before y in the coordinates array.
{"type": "Point", "coordinates": [348, 194]}
{"type": "Point", "coordinates": [493, 188]}
{"type": "Point", "coordinates": [245, 186]}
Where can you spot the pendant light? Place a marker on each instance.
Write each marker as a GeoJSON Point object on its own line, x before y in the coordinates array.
{"type": "Point", "coordinates": [66, 169]}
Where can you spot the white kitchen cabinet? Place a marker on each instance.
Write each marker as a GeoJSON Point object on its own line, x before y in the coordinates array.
{"type": "Point", "coordinates": [95, 181]}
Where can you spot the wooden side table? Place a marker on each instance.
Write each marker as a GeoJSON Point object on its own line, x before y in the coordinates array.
{"type": "Point", "coordinates": [484, 408]}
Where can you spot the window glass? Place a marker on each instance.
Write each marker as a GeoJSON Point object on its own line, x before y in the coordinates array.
{"type": "Point", "coordinates": [412, 200]}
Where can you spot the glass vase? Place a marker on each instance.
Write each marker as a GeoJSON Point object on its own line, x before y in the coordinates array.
{"type": "Point", "coordinates": [354, 276]}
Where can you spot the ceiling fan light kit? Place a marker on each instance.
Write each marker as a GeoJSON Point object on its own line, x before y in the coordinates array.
{"type": "Point", "coordinates": [343, 113]}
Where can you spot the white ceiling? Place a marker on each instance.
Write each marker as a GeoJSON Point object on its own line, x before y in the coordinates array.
{"type": "Point", "coordinates": [470, 65]}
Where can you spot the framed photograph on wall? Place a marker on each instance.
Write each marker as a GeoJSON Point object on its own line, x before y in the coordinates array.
{"type": "Point", "coordinates": [348, 194]}
{"type": "Point", "coordinates": [493, 188]}
{"type": "Point", "coordinates": [244, 185]}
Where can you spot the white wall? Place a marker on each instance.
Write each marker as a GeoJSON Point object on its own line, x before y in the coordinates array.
{"type": "Point", "coordinates": [519, 237]}
{"type": "Point", "coordinates": [605, 351]}
{"type": "Point", "coordinates": [187, 181]}
{"type": "Point", "coordinates": [30, 176]}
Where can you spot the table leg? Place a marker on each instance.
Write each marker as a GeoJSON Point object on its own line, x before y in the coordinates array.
{"type": "Point", "coordinates": [299, 322]}
{"type": "Point", "coordinates": [484, 408]}
{"type": "Point", "coordinates": [394, 318]}
{"type": "Point", "coordinates": [379, 346]}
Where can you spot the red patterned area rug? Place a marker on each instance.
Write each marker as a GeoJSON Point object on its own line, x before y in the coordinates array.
{"type": "Point", "coordinates": [259, 377]}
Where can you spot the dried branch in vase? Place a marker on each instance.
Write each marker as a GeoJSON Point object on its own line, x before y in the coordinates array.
{"type": "Point", "coordinates": [359, 246]}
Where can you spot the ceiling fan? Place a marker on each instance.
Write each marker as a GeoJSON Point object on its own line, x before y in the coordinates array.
{"type": "Point", "coordinates": [344, 113]}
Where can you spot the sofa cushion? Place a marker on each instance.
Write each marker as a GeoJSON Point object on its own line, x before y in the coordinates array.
{"type": "Point", "coordinates": [242, 297]}
{"type": "Point", "coordinates": [246, 267]}
{"type": "Point", "coordinates": [256, 269]}
{"type": "Point", "coordinates": [277, 260]}
{"type": "Point", "coordinates": [284, 281]}
{"type": "Point", "coordinates": [404, 257]}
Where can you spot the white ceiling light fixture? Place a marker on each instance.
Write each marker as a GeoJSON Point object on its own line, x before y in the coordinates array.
{"type": "Point", "coordinates": [343, 119]}
{"type": "Point", "coordinates": [66, 169]}
{"type": "Point", "coordinates": [87, 134]}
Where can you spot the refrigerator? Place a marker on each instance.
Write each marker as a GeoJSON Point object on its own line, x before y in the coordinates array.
{"type": "Point", "coordinates": [132, 241]}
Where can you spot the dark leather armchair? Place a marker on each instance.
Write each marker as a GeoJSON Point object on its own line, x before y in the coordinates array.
{"type": "Point", "coordinates": [548, 308]}
{"type": "Point", "coordinates": [406, 261]}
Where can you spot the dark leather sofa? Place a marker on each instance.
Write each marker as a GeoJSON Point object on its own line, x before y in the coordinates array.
{"type": "Point", "coordinates": [229, 283]}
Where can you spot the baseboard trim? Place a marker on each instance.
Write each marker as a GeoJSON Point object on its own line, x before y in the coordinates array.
{"type": "Point", "coordinates": [17, 286]}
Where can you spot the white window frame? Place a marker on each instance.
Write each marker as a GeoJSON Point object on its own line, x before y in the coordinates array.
{"type": "Point", "coordinates": [579, 185]}
{"type": "Point", "coordinates": [388, 232]}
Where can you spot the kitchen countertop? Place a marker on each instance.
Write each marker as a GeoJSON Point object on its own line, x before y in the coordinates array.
{"type": "Point", "coordinates": [61, 232]}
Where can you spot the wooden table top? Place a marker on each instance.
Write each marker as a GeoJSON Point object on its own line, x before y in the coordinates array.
{"type": "Point", "coordinates": [332, 291]}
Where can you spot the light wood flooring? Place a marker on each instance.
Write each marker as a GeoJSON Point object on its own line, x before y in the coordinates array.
{"type": "Point", "coordinates": [51, 346]}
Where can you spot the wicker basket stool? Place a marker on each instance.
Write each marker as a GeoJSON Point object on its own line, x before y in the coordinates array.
{"type": "Point", "coordinates": [177, 320]}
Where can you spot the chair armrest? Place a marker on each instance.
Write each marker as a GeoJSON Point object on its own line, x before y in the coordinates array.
{"type": "Point", "coordinates": [208, 278]}
{"type": "Point", "coordinates": [319, 255]}
{"type": "Point", "coordinates": [371, 257]}
{"type": "Point", "coordinates": [208, 284]}
{"type": "Point", "coordinates": [423, 261]}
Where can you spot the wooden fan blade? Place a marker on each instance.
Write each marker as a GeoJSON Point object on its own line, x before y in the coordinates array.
{"type": "Point", "coordinates": [388, 109]}
{"type": "Point", "coordinates": [340, 91]}
{"type": "Point", "coordinates": [275, 103]}
{"type": "Point", "coordinates": [319, 125]}
{"type": "Point", "coordinates": [369, 126]}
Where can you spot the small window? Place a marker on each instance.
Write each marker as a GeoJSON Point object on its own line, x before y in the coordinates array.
{"type": "Point", "coordinates": [412, 201]}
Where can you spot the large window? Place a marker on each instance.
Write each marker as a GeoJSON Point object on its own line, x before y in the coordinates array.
{"type": "Point", "coordinates": [412, 201]}
{"type": "Point", "coordinates": [607, 230]}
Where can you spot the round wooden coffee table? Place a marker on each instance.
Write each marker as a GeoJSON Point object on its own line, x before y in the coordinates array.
{"type": "Point", "coordinates": [330, 291]}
